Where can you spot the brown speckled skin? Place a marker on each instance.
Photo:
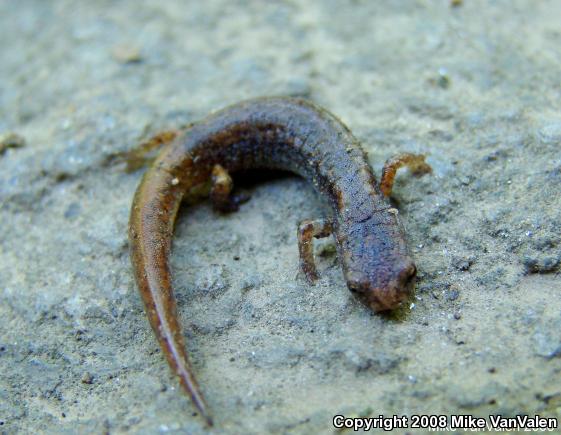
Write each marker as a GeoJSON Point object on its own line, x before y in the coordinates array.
{"type": "Point", "coordinates": [280, 133]}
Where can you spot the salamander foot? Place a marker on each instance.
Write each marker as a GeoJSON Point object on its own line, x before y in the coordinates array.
{"type": "Point", "coordinates": [221, 191]}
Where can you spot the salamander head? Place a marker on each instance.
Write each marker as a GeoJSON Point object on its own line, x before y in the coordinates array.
{"type": "Point", "coordinates": [377, 267]}
{"type": "Point", "coordinates": [386, 291]}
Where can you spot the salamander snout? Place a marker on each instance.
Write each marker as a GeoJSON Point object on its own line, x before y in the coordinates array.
{"type": "Point", "coordinates": [388, 289]}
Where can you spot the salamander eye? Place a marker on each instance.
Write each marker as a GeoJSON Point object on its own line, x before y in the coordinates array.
{"type": "Point", "coordinates": [407, 275]}
{"type": "Point", "coordinates": [355, 286]}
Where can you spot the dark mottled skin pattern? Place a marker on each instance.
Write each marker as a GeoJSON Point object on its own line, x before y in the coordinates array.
{"type": "Point", "coordinates": [277, 133]}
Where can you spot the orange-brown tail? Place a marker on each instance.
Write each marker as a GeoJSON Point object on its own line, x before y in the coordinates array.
{"type": "Point", "coordinates": [150, 232]}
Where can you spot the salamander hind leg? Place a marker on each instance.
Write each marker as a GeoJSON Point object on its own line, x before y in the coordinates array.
{"type": "Point", "coordinates": [221, 191]}
{"type": "Point", "coordinates": [307, 231]}
{"type": "Point", "coordinates": [415, 162]}
{"type": "Point", "coordinates": [141, 155]}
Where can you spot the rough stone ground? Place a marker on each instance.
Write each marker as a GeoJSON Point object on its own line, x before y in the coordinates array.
{"type": "Point", "coordinates": [476, 87]}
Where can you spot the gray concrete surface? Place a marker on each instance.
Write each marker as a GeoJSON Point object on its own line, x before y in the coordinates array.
{"type": "Point", "coordinates": [476, 87]}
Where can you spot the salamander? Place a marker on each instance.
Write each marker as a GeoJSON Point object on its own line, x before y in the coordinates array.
{"type": "Point", "coordinates": [271, 133]}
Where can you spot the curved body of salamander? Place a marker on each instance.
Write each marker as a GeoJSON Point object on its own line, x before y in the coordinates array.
{"type": "Point", "coordinates": [280, 133]}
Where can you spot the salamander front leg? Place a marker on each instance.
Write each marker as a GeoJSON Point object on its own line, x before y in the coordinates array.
{"type": "Point", "coordinates": [307, 230]}
{"type": "Point", "coordinates": [221, 191]}
{"type": "Point", "coordinates": [415, 162]}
